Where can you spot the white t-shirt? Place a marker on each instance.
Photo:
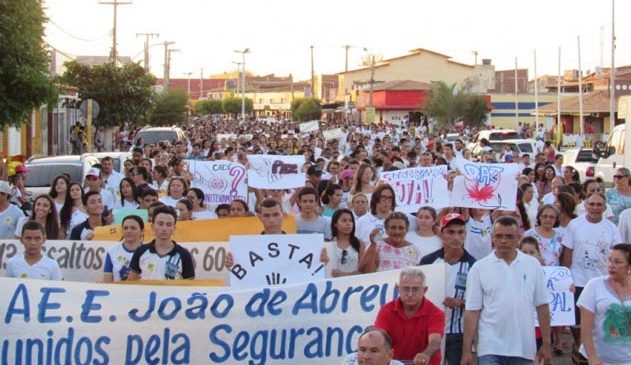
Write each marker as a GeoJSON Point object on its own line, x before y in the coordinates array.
{"type": "Point", "coordinates": [590, 243]}
{"type": "Point", "coordinates": [611, 340]}
{"type": "Point", "coordinates": [624, 225]}
{"type": "Point", "coordinates": [9, 220]}
{"type": "Point", "coordinates": [425, 245]}
{"type": "Point", "coordinates": [45, 269]}
{"type": "Point", "coordinates": [506, 296]}
{"type": "Point", "coordinates": [478, 239]}
{"type": "Point", "coordinates": [550, 248]}
{"type": "Point", "coordinates": [167, 200]}
{"type": "Point", "coordinates": [117, 262]}
{"type": "Point", "coordinates": [365, 225]}
{"type": "Point", "coordinates": [76, 218]}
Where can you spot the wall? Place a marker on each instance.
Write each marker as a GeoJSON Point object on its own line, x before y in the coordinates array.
{"type": "Point", "coordinates": [503, 109]}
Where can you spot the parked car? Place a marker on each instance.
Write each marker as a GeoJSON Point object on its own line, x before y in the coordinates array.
{"type": "Point", "coordinates": [518, 146]}
{"type": "Point", "coordinates": [118, 157]}
{"type": "Point", "coordinates": [613, 154]}
{"type": "Point", "coordinates": [42, 170]}
{"type": "Point", "coordinates": [582, 160]}
{"type": "Point", "coordinates": [491, 135]}
{"type": "Point", "coordinates": [153, 135]}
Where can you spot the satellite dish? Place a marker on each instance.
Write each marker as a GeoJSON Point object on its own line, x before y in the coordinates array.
{"type": "Point", "coordinates": [83, 108]}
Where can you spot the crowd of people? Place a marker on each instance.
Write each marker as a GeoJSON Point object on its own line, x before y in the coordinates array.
{"type": "Point", "coordinates": [494, 281]}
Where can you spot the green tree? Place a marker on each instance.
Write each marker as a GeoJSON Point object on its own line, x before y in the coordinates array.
{"type": "Point", "coordinates": [25, 82]}
{"type": "Point", "coordinates": [232, 105]}
{"type": "Point", "coordinates": [450, 104]}
{"type": "Point", "coordinates": [208, 107]}
{"type": "Point", "coordinates": [306, 109]}
{"type": "Point", "coordinates": [170, 107]}
{"type": "Point", "coordinates": [123, 93]}
{"type": "Point", "coordinates": [476, 111]}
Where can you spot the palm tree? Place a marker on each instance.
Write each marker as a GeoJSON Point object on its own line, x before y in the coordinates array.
{"type": "Point", "coordinates": [445, 104]}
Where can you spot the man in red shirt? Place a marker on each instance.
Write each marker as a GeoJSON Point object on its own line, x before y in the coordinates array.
{"type": "Point", "coordinates": [415, 324]}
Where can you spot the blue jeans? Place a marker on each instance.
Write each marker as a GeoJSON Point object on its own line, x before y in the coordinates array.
{"type": "Point", "coordinates": [503, 360]}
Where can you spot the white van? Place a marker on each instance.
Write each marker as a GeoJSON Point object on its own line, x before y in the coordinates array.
{"type": "Point", "coordinates": [614, 154]}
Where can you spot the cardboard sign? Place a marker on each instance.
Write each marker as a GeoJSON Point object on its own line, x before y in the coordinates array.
{"type": "Point", "coordinates": [311, 126]}
{"type": "Point", "coordinates": [418, 187]}
{"type": "Point", "coordinates": [486, 186]}
{"type": "Point", "coordinates": [559, 281]}
{"type": "Point", "coordinates": [221, 181]}
{"type": "Point", "coordinates": [120, 214]}
{"type": "Point", "coordinates": [332, 134]}
{"type": "Point", "coordinates": [276, 172]}
{"type": "Point", "coordinates": [84, 323]}
{"type": "Point", "coordinates": [276, 259]}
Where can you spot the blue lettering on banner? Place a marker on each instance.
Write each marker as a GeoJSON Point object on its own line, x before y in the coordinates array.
{"type": "Point", "coordinates": [170, 307]}
{"type": "Point", "coordinates": [44, 305]}
{"type": "Point", "coordinates": [262, 300]}
{"type": "Point", "coordinates": [67, 349]}
{"type": "Point", "coordinates": [21, 294]}
{"type": "Point", "coordinates": [157, 349]}
{"type": "Point", "coordinates": [309, 299]}
{"type": "Point", "coordinates": [89, 305]}
{"type": "Point", "coordinates": [280, 344]}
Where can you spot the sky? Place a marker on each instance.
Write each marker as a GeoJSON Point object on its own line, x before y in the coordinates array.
{"type": "Point", "coordinates": [279, 33]}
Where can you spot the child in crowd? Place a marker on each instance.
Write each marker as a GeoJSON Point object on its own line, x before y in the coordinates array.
{"type": "Point", "coordinates": [33, 264]}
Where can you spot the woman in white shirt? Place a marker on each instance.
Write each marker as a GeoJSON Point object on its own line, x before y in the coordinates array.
{"type": "Point", "coordinates": [425, 238]}
{"type": "Point", "coordinates": [128, 194]}
{"type": "Point", "coordinates": [176, 191]}
{"type": "Point", "coordinates": [200, 210]}
{"type": "Point", "coordinates": [345, 250]}
{"type": "Point", "coordinates": [58, 191]}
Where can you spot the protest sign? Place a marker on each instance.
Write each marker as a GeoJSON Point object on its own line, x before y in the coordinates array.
{"type": "Point", "coordinates": [486, 186]}
{"type": "Point", "coordinates": [559, 281]}
{"type": "Point", "coordinates": [85, 323]}
{"type": "Point", "coordinates": [221, 181]}
{"type": "Point", "coordinates": [311, 126]}
{"type": "Point", "coordinates": [418, 187]}
{"type": "Point", "coordinates": [201, 230]}
{"type": "Point", "coordinates": [332, 134]}
{"type": "Point", "coordinates": [275, 259]}
{"type": "Point", "coordinates": [83, 260]}
{"type": "Point", "coordinates": [276, 171]}
{"type": "Point", "coordinates": [119, 214]}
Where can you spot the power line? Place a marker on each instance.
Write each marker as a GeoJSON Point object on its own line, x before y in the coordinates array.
{"type": "Point", "coordinates": [60, 52]}
{"type": "Point", "coordinates": [74, 36]}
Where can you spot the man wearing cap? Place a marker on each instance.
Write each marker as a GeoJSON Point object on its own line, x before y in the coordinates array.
{"type": "Point", "coordinates": [453, 232]}
{"type": "Point", "coordinates": [415, 324]}
{"type": "Point", "coordinates": [93, 182]}
{"type": "Point", "coordinates": [9, 213]}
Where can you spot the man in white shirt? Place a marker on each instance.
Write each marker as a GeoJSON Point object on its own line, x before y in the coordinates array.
{"type": "Point", "coordinates": [110, 177]}
{"type": "Point", "coordinates": [93, 182]}
{"type": "Point", "coordinates": [33, 264]}
{"type": "Point", "coordinates": [504, 290]}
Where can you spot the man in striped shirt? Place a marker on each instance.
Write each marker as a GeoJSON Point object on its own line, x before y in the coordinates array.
{"type": "Point", "coordinates": [453, 232]}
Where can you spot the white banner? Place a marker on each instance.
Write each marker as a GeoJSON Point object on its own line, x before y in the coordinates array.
{"type": "Point", "coordinates": [276, 172]}
{"type": "Point", "coordinates": [83, 260]}
{"type": "Point", "coordinates": [276, 259]}
{"type": "Point", "coordinates": [311, 126]}
{"type": "Point", "coordinates": [332, 134]}
{"type": "Point", "coordinates": [418, 187]}
{"type": "Point", "coordinates": [486, 186]}
{"type": "Point", "coordinates": [559, 281]}
{"type": "Point", "coordinates": [80, 323]}
{"type": "Point", "coordinates": [221, 181]}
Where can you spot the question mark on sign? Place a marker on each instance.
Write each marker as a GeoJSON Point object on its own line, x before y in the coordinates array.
{"type": "Point", "coordinates": [238, 172]}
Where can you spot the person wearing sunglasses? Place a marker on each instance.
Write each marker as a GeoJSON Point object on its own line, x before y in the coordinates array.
{"type": "Point", "coordinates": [619, 197]}
{"type": "Point", "coordinates": [344, 250]}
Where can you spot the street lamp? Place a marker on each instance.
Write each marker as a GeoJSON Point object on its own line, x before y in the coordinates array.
{"type": "Point", "coordinates": [247, 50]}
{"type": "Point", "coordinates": [238, 74]}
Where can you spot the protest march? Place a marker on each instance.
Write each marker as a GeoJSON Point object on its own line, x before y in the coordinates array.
{"type": "Point", "coordinates": [255, 242]}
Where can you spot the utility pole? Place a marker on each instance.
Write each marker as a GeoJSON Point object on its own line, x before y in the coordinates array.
{"type": "Point", "coordinates": [516, 88]}
{"type": "Point", "coordinates": [580, 87]}
{"type": "Point", "coordinates": [247, 50]}
{"type": "Point", "coordinates": [165, 77]}
{"type": "Point", "coordinates": [238, 75]}
{"type": "Point", "coordinates": [188, 84]}
{"type": "Point", "coordinates": [372, 78]}
{"type": "Point", "coordinates": [146, 58]}
{"type": "Point", "coordinates": [201, 83]}
{"type": "Point", "coordinates": [169, 63]}
{"type": "Point", "coordinates": [536, 91]}
{"type": "Point", "coordinates": [115, 4]}
{"type": "Point", "coordinates": [475, 57]}
{"type": "Point", "coordinates": [312, 75]}
{"type": "Point", "coordinates": [346, 48]}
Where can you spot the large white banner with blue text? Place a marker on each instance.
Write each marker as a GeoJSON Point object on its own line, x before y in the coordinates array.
{"type": "Point", "coordinates": [418, 187]}
{"type": "Point", "coordinates": [486, 186]}
{"type": "Point", "coordinates": [80, 323]}
{"type": "Point", "coordinates": [221, 181]}
{"type": "Point", "coordinates": [276, 172]}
